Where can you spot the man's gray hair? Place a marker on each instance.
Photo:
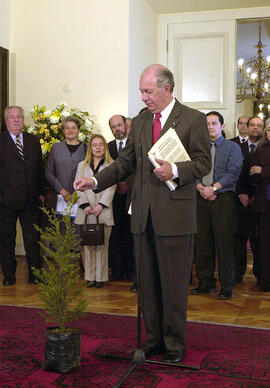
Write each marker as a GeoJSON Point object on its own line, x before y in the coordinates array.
{"type": "Point", "coordinates": [165, 76]}
{"type": "Point", "coordinates": [11, 107]}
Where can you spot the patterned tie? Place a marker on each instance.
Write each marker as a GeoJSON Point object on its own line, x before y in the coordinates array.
{"type": "Point", "coordinates": [120, 146]}
{"type": "Point", "coordinates": [251, 152]}
{"type": "Point", "coordinates": [156, 128]}
{"type": "Point", "coordinates": [208, 179]}
{"type": "Point", "coordinates": [243, 140]}
{"type": "Point", "coordinates": [19, 146]}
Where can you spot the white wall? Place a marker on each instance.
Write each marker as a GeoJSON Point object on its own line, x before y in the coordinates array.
{"type": "Point", "coordinates": [81, 44]}
{"type": "Point", "coordinates": [143, 48]}
{"type": "Point", "coordinates": [4, 24]}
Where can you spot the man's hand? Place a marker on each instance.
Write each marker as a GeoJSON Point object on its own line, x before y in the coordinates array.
{"type": "Point", "coordinates": [255, 170]}
{"type": "Point", "coordinates": [83, 184]}
{"type": "Point", "coordinates": [164, 172]}
{"type": "Point", "coordinates": [244, 199]}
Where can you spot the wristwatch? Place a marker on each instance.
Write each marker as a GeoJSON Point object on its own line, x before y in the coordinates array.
{"type": "Point", "coordinates": [214, 188]}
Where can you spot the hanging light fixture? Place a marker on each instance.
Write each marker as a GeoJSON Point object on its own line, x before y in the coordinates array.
{"type": "Point", "coordinates": [254, 75]}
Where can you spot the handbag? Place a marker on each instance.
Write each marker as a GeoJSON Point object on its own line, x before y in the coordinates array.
{"type": "Point", "coordinates": [92, 234]}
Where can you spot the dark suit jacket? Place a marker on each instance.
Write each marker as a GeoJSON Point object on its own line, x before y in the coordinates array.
{"type": "Point", "coordinates": [236, 140]}
{"type": "Point", "coordinates": [173, 213]}
{"type": "Point", "coordinates": [262, 188]}
{"type": "Point", "coordinates": [20, 180]}
{"type": "Point", "coordinates": [245, 183]}
{"type": "Point", "coordinates": [114, 153]}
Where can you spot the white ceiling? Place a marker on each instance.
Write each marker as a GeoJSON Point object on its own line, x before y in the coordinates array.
{"type": "Point", "coordinates": [175, 6]}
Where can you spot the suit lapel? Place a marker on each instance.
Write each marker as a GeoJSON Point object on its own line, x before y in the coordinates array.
{"type": "Point", "coordinates": [11, 145]}
{"type": "Point", "coordinates": [173, 118]}
{"type": "Point", "coordinates": [146, 134]}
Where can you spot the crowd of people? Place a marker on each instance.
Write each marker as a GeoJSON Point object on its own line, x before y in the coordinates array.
{"type": "Point", "coordinates": [221, 201]}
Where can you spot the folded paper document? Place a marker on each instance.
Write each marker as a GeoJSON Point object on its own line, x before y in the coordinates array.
{"type": "Point", "coordinates": [170, 148]}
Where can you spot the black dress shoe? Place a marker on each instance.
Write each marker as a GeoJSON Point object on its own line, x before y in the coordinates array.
{"type": "Point", "coordinates": [150, 351]}
{"type": "Point", "coordinates": [133, 288]}
{"type": "Point", "coordinates": [225, 295]}
{"type": "Point", "coordinates": [8, 282]}
{"type": "Point", "coordinates": [203, 290]}
{"type": "Point", "coordinates": [32, 279]}
{"type": "Point", "coordinates": [174, 356]}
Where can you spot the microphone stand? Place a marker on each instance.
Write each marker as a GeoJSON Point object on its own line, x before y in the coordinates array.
{"type": "Point", "coordinates": [138, 357]}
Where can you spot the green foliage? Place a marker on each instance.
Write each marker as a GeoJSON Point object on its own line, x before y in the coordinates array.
{"type": "Point", "coordinates": [61, 290]}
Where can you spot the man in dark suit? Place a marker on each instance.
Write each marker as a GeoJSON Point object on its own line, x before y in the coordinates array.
{"type": "Point", "coordinates": [21, 182]}
{"type": "Point", "coordinates": [242, 130]}
{"type": "Point", "coordinates": [246, 192]}
{"type": "Point", "coordinates": [167, 218]}
{"type": "Point", "coordinates": [120, 245]}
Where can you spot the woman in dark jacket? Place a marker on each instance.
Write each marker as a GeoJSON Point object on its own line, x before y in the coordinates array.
{"type": "Point", "coordinates": [261, 174]}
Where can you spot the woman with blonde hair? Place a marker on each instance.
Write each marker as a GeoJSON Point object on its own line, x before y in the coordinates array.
{"type": "Point", "coordinates": [92, 205]}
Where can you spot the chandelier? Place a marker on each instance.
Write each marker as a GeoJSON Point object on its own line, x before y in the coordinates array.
{"type": "Point", "coordinates": [254, 75]}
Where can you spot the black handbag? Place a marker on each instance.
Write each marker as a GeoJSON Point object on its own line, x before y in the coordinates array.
{"type": "Point", "coordinates": [92, 234]}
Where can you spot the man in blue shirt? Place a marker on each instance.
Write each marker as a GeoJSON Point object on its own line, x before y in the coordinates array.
{"type": "Point", "coordinates": [216, 217]}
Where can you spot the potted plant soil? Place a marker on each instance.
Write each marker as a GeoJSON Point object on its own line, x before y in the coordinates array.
{"type": "Point", "coordinates": [61, 291]}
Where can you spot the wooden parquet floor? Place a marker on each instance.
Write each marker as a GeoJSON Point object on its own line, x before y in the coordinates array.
{"type": "Point", "coordinates": [248, 307]}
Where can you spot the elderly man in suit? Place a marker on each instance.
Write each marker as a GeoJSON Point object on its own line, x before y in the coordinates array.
{"type": "Point", "coordinates": [21, 184]}
{"type": "Point", "coordinates": [167, 218]}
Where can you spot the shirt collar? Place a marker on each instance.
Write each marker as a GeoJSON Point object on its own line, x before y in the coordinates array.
{"type": "Point", "coordinates": [166, 112]}
{"type": "Point", "coordinates": [14, 137]}
{"type": "Point", "coordinates": [219, 141]}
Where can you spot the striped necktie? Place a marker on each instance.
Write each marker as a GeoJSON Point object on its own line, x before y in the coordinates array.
{"type": "Point", "coordinates": [19, 146]}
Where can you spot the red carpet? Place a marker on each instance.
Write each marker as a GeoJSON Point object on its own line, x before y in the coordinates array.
{"type": "Point", "coordinates": [228, 356]}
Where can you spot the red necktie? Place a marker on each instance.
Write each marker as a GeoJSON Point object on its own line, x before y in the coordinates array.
{"type": "Point", "coordinates": [156, 128]}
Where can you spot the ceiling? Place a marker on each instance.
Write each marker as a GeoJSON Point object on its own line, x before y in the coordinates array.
{"type": "Point", "coordinates": [175, 6]}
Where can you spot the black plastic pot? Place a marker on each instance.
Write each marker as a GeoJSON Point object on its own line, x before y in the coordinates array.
{"type": "Point", "coordinates": [62, 349]}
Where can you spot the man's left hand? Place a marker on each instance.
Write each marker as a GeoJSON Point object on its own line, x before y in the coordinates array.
{"type": "Point", "coordinates": [164, 172]}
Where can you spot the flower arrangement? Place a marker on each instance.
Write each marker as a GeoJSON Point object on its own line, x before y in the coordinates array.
{"type": "Point", "coordinates": [47, 125]}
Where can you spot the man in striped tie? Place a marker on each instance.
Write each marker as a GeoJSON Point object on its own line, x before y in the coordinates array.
{"type": "Point", "coordinates": [21, 185]}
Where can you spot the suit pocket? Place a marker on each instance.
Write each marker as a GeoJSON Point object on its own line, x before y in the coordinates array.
{"type": "Point", "coordinates": [183, 194]}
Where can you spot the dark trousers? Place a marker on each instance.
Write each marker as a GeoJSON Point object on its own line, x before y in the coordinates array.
{"type": "Point", "coordinates": [8, 220]}
{"type": "Point", "coordinates": [216, 233]}
{"type": "Point", "coordinates": [264, 251]}
{"type": "Point", "coordinates": [165, 273]}
{"type": "Point", "coordinates": [121, 245]}
{"type": "Point", "coordinates": [247, 228]}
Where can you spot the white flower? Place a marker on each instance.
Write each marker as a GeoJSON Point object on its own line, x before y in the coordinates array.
{"type": "Point", "coordinates": [48, 113]}
{"type": "Point", "coordinates": [87, 123]}
{"type": "Point", "coordinates": [30, 130]}
{"type": "Point", "coordinates": [54, 119]}
{"type": "Point", "coordinates": [82, 137]}
{"type": "Point", "coordinates": [32, 111]}
{"type": "Point", "coordinates": [65, 113]}
{"type": "Point", "coordinates": [61, 104]}
{"type": "Point", "coordinates": [43, 149]}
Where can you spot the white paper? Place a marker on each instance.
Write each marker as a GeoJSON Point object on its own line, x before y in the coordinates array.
{"type": "Point", "coordinates": [170, 148]}
{"type": "Point", "coordinates": [61, 206]}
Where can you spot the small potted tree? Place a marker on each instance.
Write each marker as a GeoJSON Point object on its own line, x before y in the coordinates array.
{"type": "Point", "coordinates": [61, 291]}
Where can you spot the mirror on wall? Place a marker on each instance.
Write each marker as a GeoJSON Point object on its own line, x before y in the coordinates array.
{"type": "Point", "coordinates": [249, 33]}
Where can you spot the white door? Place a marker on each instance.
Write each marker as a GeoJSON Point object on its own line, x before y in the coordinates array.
{"type": "Point", "coordinates": [202, 58]}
